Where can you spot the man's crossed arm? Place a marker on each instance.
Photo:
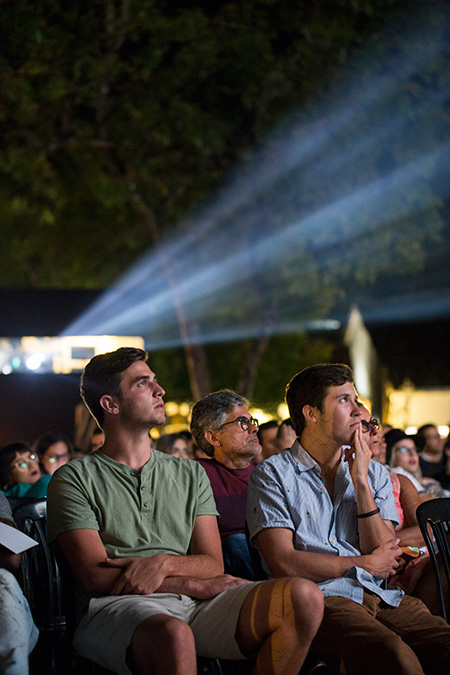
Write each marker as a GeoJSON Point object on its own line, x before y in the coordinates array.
{"type": "Point", "coordinates": [199, 574]}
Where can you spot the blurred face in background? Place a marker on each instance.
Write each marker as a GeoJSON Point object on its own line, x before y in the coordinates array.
{"type": "Point", "coordinates": [25, 467]}
{"type": "Point", "coordinates": [434, 444]}
{"type": "Point", "coordinates": [55, 456]}
{"type": "Point", "coordinates": [404, 454]}
{"type": "Point", "coordinates": [369, 427]}
{"type": "Point", "coordinates": [180, 448]}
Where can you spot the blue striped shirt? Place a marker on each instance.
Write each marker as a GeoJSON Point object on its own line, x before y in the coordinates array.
{"type": "Point", "coordinates": [287, 490]}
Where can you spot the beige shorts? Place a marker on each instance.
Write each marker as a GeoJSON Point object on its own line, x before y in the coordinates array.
{"type": "Point", "coordinates": [104, 634]}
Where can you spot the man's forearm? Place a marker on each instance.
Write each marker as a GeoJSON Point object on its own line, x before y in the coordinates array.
{"type": "Point", "coordinates": [316, 567]}
{"type": "Point", "coordinates": [198, 566]}
{"type": "Point", "coordinates": [373, 530]}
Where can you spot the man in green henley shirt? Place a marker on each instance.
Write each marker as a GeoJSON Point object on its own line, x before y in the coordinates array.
{"type": "Point", "coordinates": [139, 529]}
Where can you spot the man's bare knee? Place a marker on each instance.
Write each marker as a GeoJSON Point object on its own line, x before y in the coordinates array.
{"type": "Point", "coordinates": [308, 604]}
{"type": "Point", "coordinates": [162, 644]}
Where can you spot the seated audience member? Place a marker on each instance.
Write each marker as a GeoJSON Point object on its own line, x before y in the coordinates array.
{"type": "Point", "coordinates": [285, 435]}
{"type": "Point", "coordinates": [444, 475]}
{"type": "Point", "coordinates": [18, 634]}
{"type": "Point", "coordinates": [417, 576]}
{"type": "Point", "coordinates": [402, 458]}
{"type": "Point", "coordinates": [224, 429]}
{"type": "Point", "coordinates": [382, 444]}
{"type": "Point", "coordinates": [186, 434]}
{"type": "Point", "coordinates": [267, 434]}
{"type": "Point", "coordinates": [139, 529]}
{"type": "Point", "coordinates": [20, 474]}
{"type": "Point", "coordinates": [430, 445]}
{"type": "Point", "coordinates": [54, 450]}
{"type": "Point", "coordinates": [324, 510]}
{"type": "Point", "coordinates": [173, 444]}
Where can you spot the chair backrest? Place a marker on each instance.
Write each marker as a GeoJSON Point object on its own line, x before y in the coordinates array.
{"type": "Point", "coordinates": [434, 516]}
{"type": "Point", "coordinates": [39, 574]}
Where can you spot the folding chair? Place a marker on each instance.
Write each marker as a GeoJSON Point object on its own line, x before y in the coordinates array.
{"type": "Point", "coordinates": [434, 515]}
{"type": "Point", "coordinates": [40, 581]}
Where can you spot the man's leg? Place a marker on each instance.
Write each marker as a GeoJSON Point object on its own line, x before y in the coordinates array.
{"type": "Point", "coordinates": [18, 634]}
{"type": "Point", "coordinates": [427, 635]}
{"type": "Point", "coordinates": [162, 644]}
{"type": "Point", "coordinates": [139, 634]}
{"type": "Point", "coordinates": [351, 632]}
{"type": "Point", "coordinates": [278, 621]}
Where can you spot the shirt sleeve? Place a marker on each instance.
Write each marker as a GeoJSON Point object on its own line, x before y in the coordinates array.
{"type": "Point", "coordinates": [383, 492]}
{"type": "Point", "coordinates": [68, 507]}
{"type": "Point", "coordinates": [266, 502]}
{"type": "Point", "coordinates": [206, 505]}
{"type": "Point", "coordinates": [5, 509]}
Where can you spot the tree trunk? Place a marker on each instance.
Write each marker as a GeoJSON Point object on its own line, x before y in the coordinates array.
{"type": "Point", "coordinates": [253, 352]}
{"type": "Point", "coordinates": [196, 362]}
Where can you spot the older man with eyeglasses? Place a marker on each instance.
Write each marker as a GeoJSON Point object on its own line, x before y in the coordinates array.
{"type": "Point", "coordinates": [225, 430]}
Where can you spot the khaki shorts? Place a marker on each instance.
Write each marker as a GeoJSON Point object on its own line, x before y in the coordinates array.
{"type": "Point", "coordinates": [105, 632]}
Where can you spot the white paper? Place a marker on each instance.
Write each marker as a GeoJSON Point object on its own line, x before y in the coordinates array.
{"type": "Point", "coordinates": [15, 540]}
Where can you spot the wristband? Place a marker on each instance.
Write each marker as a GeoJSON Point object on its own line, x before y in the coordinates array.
{"type": "Point", "coordinates": [370, 513]}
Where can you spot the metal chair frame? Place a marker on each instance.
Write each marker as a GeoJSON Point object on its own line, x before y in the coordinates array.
{"type": "Point", "coordinates": [434, 516]}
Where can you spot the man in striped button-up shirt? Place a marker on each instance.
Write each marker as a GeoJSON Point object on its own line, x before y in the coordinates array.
{"type": "Point", "coordinates": [324, 511]}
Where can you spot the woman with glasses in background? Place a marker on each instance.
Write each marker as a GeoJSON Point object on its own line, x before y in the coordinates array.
{"type": "Point", "coordinates": [53, 451]}
{"type": "Point", "coordinates": [20, 473]}
{"type": "Point", "coordinates": [403, 458]}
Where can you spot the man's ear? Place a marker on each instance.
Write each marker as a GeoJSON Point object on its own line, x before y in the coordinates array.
{"type": "Point", "coordinates": [310, 413]}
{"type": "Point", "coordinates": [109, 404]}
{"type": "Point", "coordinates": [211, 437]}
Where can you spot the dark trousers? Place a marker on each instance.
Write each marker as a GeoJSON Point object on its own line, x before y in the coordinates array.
{"type": "Point", "coordinates": [376, 638]}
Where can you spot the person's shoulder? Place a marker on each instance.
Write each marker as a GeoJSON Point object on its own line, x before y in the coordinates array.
{"type": "Point", "coordinates": [211, 466]}
{"type": "Point", "coordinates": [377, 468]}
{"type": "Point", "coordinates": [179, 465]}
{"type": "Point", "coordinates": [78, 467]}
{"type": "Point", "coordinates": [283, 461]}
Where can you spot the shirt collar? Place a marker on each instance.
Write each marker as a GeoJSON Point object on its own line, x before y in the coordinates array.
{"type": "Point", "coordinates": [305, 462]}
{"type": "Point", "coordinates": [302, 458]}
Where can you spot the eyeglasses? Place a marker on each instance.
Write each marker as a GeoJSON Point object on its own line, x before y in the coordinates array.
{"type": "Point", "coordinates": [23, 463]}
{"type": "Point", "coordinates": [402, 449]}
{"type": "Point", "coordinates": [244, 422]}
{"type": "Point", "coordinates": [373, 422]}
{"type": "Point", "coordinates": [57, 458]}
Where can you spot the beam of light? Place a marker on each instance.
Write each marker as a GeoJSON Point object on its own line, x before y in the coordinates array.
{"type": "Point", "coordinates": [338, 197]}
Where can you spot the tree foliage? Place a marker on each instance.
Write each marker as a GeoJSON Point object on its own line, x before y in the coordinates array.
{"type": "Point", "coordinates": [109, 104]}
{"type": "Point", "coordinates": [119, 117]}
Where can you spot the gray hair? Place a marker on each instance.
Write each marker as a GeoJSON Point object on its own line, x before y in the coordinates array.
{"type": "Point", "coordinates": [210, 413]}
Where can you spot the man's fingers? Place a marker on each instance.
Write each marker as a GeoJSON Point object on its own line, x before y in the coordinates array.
{"type": "Point", "coordinates": [118, 562]}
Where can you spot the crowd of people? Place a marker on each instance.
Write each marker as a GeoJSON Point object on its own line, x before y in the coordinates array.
{"type": "Point", "coordinates": [234, 539]}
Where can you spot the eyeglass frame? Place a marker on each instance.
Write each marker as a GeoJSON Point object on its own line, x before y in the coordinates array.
{"type": "Point", "coordinates": [57, 458]}
{"type": "Point", "coordinates": [249, 421]}
{"type": "Point", "coordinates": [25, 460]}
{"type": "Point", "coordinates": [403, 449]}
{"type": "Point", "coordinates": [373, 422]}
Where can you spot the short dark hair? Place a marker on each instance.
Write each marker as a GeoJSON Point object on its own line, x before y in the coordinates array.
{"type": "Point", "coordinates": [7, 454]}
{"type": "Point", "coordinates": [310, 387]}
{"type": "Point", "coordinates": [50, 438]}
{"type": "Point", "coordinates": [391, 438]}
{"type": "Point", "coordinates": [271, 424]}
{"type": "Point", "coordinates": [103, 374]}
{"type": "Point", "coordinates": [210, 413]}
{"type": "Point", "coordinates": [420, 438]}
